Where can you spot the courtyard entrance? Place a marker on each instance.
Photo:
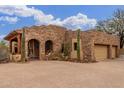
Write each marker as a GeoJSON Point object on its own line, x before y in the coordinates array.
{"type": "Point", "coordinates": [33, 49]}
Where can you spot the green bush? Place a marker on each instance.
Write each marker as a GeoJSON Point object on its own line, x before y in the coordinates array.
{"type": "Point", "coordinates": [4, 53]}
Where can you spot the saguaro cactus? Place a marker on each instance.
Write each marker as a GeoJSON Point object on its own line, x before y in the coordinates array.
{"type": "Point", "coordinates": [23, 46]}
{"type": "Point", "coordinates": [78, 44]}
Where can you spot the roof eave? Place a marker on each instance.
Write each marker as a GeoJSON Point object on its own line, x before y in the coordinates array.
{"type": "Point", "coordinates": [10, 34]}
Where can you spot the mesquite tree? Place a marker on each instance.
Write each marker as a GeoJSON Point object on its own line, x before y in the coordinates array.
{"type": "Point", "coordinates": [115, 25]}
{"type": "Point", "coordinates": [78, 44]}
{"type": "Point", "coordinates": [23, 46]}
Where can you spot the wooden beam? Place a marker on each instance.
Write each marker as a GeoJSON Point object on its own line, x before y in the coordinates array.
{"type": "Point", "coordinates": [10, 46]}
{"type": "Point", "coordinates": [13, 37]}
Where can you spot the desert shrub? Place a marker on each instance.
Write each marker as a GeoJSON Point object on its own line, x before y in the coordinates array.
{"type": "Point", "coordinates": [63, 56]}
{"type": "Point", "coordinates": [57, 56]}
{"type": "Point", "coordinates": [4, 53]}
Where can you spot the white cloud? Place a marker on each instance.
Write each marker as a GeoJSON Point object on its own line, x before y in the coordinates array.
{"type": "Point", "coordinates": [16, 10]}
{"type": "Point", "coordinates": [24, 11]}
{"type": "Point", "coordinates": [11, 20]}
{"type": "Point", "coordinates": [73, 22]}
{"type": "Point", "coordinates": [2, 36]}
{"type": "Point", "coordinates": [80, 21]}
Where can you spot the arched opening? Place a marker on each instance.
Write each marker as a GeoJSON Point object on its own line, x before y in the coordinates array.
{"type": "Point", "coordinates": [14, 46]}
{"type": "Point", "coordinates": [48, 46]}
{"type": "Point", "coordinates": [33, 49]}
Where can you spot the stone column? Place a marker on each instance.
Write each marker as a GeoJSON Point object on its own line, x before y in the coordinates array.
{"type": "Point", "coordinates": [56, 47]}
{"type": "Point", "coordinates": [89, 52]}
{"type": "Point", "coordinates": [118, 47]}
{"type": "Point", "coordinates": [110, 52]}
{"type": "Point", "coordinates": [93, 59]}
{"type": "Point", "coordinates": [19, 43]}
{"type": "Point", "coordinates": [42, 50]}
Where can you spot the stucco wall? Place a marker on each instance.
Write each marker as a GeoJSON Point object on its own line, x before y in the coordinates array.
{"type": "Point", "coordinates": [74, 52]}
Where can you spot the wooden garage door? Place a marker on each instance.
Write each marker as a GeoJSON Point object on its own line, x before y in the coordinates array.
{"type": "Point", "coordinates": [101, 52]}
{"type": "Point", "coordinates": [114, 51]}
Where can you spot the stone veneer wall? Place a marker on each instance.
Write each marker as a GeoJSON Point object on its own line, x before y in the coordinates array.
{"type": "Point", "coordinates": [42, 34]}
{"type": "Point", "coordinates": [106, 39]}
{"type": "Point", "coordinates": [90, 38]}
{"type": "Point", "coordinates": [59, 35]}
{"type": "Point", "coordinates": [103, 38]}
{"type": "Point", "coordinates": [87, 45]}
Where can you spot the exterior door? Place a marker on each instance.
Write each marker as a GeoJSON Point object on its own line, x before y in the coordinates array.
{"type": "Point", "coordinates": [33, 49]}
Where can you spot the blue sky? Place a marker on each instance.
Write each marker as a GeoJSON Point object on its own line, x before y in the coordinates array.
{"type": "Point", "coordinates": [72, 17]}
{"type": "Point", "coordinates": [99, 12]}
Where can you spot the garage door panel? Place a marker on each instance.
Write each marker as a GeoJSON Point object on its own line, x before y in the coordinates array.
{"type": "Point", "coordinates": [101, 52]}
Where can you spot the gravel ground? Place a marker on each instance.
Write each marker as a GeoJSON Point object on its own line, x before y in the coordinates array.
{"type": "Point", "coordinates": [38, 74]}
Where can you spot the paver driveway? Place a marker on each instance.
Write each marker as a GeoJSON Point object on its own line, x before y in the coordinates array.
{"type": "Point", "coordinates": [62, 74]}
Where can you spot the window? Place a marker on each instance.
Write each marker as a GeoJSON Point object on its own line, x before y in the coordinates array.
{"type": "Point", "coordinates": [75, 46]}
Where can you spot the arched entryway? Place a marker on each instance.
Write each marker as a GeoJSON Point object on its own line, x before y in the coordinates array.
{"type": "Point", "coordinates": [33, 49]}
{"type": "Point", "coordinates": [48, 46]}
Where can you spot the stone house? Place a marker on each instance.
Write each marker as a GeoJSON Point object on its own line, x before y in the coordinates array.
{"type": "Point", "coordinates": [40, 40]}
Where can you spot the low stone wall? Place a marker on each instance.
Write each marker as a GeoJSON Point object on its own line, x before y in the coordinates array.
{"type": "Point", "coordinates": [15, 57]}
{"type": "Point", "coordinates": [42, 34]}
